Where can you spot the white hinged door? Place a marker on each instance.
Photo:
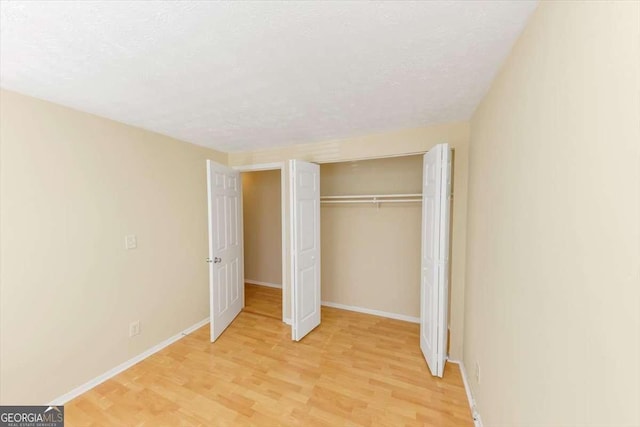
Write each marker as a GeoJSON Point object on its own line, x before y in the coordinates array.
{"type": "Point", "coordinates": [226, 269]}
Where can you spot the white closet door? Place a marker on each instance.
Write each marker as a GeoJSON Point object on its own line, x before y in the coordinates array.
{"type": "Point", "coordinates": [226, 270]}
{"type": "Point", "coordinates": [305, 242]}
{"type": "Point", "coordinates": [436, 191]}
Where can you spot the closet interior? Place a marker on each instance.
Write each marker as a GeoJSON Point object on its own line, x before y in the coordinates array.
{"type": "Point", "coordinates": [371, 235]}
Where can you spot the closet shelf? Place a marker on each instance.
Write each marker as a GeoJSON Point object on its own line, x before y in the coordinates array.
{"type": "Point", "coordinates": [373, 198]}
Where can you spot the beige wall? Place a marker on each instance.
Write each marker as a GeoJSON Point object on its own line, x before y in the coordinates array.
{"type": "Point", "coordinates": [553, 275]}
{"type": "Point", "coordinates": [72, 186]}
{"type": "Point", "coordinates": [262, 209]}
{"type": "Point", "coordinates": [408, 141]}
{"type": "Point", "coordinates": [371, 255]}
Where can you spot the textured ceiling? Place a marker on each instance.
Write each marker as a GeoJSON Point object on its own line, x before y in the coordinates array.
{"type": "Point", "coordinates": [249, 75]}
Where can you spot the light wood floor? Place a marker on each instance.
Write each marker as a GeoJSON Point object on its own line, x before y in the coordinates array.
{"type": "Point", "coordinates": [263, 300]}
{"type": "Point", "coordinates": [354, 369]}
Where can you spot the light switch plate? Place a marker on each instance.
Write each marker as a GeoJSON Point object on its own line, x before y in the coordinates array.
{"type": "Point", "coordinates": [134, 328]}
{"type": "Point", "coordinates": [130, 241]}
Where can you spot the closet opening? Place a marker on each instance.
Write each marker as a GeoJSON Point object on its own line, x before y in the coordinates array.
{"type": "Point", "coordinates": [385, 233]}
{"type": "Point", "coordinates": [262, 204]}
{"type": "Point", "coordinates": [370, 235]}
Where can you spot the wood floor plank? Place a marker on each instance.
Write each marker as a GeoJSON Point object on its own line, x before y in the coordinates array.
{"type": "Point", "coordinates": [353, 370]}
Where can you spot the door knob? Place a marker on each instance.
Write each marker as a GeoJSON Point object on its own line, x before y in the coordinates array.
{"type": "Point", "coordinates": [217, 260]}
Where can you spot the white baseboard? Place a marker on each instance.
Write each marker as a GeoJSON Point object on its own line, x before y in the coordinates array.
{"type": "Point", "coordinates": [287, 320]}
{"type": "Point", "coordinates": [61, 400]}
{"type": "Point", "coordinates": [267, 284]}
{"type": "Point", "coordinates": [371, 311]}
{"type": "Point", "coordinates": [477, 421]}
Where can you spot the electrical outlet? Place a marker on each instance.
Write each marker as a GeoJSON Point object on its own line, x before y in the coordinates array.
{"type": "Point", "coordinates": [477, 373]}
{"type": "Point", "coordinates": [130, 241]}
{"type": "Point", "coordinates": [134, 328]}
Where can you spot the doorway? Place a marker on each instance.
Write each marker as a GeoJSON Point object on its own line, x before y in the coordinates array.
{"type": "Point", "coordinates": [261, 180]}
{"type": "Point", "coordinates": [263, 254]}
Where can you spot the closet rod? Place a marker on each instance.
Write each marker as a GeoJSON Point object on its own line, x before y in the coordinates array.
{"type": "Point", "coordinates": [370, 196]}
{"type": "Point", "coordinates": [372, 202]}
